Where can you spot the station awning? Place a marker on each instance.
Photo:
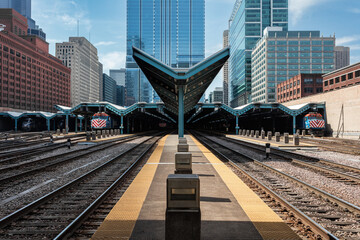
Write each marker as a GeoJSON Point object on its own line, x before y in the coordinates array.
{"type": "Point", "coordinates": [166, 80]}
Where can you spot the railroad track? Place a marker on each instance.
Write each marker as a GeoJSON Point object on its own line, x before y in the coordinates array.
{"type": "Point", "coordinates": [23, 169]}
{"type": "Point", "coordinates": [338, 145]}
{"type": "Point", "coordinates": [311, 212]}
{"type": "Point", "coordinates": [343, 173]}
{"type": "Point", "coordinates": [6, 146]}
{"type": "Point", "coordinates": [58, 214]}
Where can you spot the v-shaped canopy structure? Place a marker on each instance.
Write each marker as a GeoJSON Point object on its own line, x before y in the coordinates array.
{"type": "Point", "coordinates": [190, 83]}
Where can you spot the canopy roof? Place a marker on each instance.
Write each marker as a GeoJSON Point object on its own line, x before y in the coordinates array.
{"type": "Point", "coordinates": [166, 80]}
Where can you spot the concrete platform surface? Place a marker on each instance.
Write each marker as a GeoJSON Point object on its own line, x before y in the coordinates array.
{"type": "Point", "coordinates": [280, 145]}
{"type": "Point", "coordinates": [229, 209]}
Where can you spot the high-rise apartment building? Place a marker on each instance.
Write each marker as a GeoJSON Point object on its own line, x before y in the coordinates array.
{"type": "Point", "coordinates": [30, 78]}
{"type": "Point", "coordinates": [118, 75]}
{"type": "Point", "coordinates": [247, 22]}
{"type": "Point", "coordinates": [24, 8]}
{"type": "Point", "coordinates": [172, 31]}
{"type": "Point", "coordinates": [342, 57]}
{"type": "Point", "coordinates": [281, 55]}
{"type": "Point", "coordinates": [81, 56]}
{"type": "Point", "coordinates": [226, 71]}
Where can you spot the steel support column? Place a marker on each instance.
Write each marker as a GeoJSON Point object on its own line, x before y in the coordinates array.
{"type": "Point", "coordinates": [48, 124]}
{"type": "Point", "coordinates": [76, 124]}
{"type": "Point", "coordinates": [16, 124]}
{"type": "Point", "coordinates": [237, 124]}
{"type": "Point", "coordinates": [122, 124]}
{"type": "Point", "coordinates": [294, 125]}
{"type": "Point", "coordinates": [67, 123]}
{"type": "Point", "coordinates": [80, 125]}
{"type": "Point", "coordinates": [181, 111]}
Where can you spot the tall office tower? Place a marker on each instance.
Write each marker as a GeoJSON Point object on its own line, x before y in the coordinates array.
{"type": "Point", "coordinates": [217, 95]}
{"type": "Point", "coordinates": [109, 89]}
{"type": "Point", "coordinates": [172, 31]}
{"type": "Point", "coordinates": [24, 8]}
{"type": "Point", "coordinates": [342, 57]}
{"type": "Point", "coordinates": [118, 75]}
{"type": "Point", "coordinates": [226, 70]}
{"type": "Point", "coordinates": [281, 55]}
{"type": "Point", "coordinates": [247, 22]}
{"type": "Point", "coordinates": [81, 56]}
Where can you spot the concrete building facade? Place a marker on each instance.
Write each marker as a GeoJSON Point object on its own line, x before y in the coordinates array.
{"type": "Point", "coordinates": [281, 55]}
{"type": "Point", "coordinates": [342, 57]}
{"type": "Point", "coordinates": [30, 78]}
{"type": "Point", "coordinates": [342, 77]}
{"type": "Point", "coordinates": [342, 110]}
{"type": "Point", "coordinates": [300, 86]}
{"type": "Point", "coordinates": [81, 56]}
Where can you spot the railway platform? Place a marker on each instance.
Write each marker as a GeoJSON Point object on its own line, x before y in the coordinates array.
{"type": "Point", "coordinates": [273, 143]}
{"type": "Point", "coordinates": [229, 209]}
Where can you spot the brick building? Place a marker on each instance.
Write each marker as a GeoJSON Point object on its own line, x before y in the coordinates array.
{"type": "Point", "coordinates": [342, 77]}
{"type": "Point", "coordinates": [301, 85]}
{"type": "Point", "coordinates": [30, 78]}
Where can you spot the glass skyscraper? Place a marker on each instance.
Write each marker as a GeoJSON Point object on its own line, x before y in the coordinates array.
{"type": "Point", "coordinates": [247, 22]}
{"type": "Point", "coordinates": [172, 31]}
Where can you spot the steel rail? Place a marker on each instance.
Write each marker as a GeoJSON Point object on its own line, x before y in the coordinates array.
{"type": "Point", "coordinates": [76, 223]}
{"type": "Point", "coordinates": [85, 152]}
{"type": "Point", "coordinates": [295, 157]}
{"type": "Point", "coordinates": [5, 221]}
{"type": "Point", "coordinates": [316, 228]}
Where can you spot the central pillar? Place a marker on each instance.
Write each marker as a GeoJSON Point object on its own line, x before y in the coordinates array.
{"type": "Point", "coordinates": [181, 111]}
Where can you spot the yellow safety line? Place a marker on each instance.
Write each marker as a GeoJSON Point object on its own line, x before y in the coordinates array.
{"type": "Point", "coordinates": [120, 222]}
{"type": "Point", "coordinates": [269, 225]}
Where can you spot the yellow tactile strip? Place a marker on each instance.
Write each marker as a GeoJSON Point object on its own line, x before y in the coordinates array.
{"type": "Point", "coordinates": [121, 220]}
{"type": "Point", "coordinates": [269, 225]}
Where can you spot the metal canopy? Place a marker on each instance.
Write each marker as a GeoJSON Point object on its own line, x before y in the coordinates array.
{"type": "Point", "coordinates": [167, 81]}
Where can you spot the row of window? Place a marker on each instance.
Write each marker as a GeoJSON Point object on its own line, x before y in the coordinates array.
{"type": "Point", "coordinates": [342, 78]}
{"type": "Point", "coordinates": [302, 43]}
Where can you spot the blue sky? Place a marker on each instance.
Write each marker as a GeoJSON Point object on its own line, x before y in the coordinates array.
{"type": "Point", "coordinates": [104, 22]}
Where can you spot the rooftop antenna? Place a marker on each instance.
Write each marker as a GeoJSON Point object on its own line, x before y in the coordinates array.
{"type": "Point", "coordinates": [78, 27]}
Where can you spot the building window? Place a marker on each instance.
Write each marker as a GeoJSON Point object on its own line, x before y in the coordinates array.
{"type": "Point", "coordinates": [357, 74]}
{"type": "Point", "coordinates": [343, 78]}
{"type": "Point", "coordinates": [331, 81]}
{"type": "Point", "coordinates": [350, 76]}
{"type": "Point", "coordinates": [319, 80]}
{"type": "Point", "coordinates": [337, 80]}
{"type": "Point", "coordinates": [298, 90]}
{"type": "Point", "coordinates": [308, 80]}
{"type": "Point", "coordinates": [308, 90]}
{"type": "Point", "coordinates": [319, 90]}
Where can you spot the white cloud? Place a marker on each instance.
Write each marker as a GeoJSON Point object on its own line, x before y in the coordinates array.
{"type": "Point", "coordinates": [104, 43]}
{"type": "Point", "coordinates": [354, 47]}
{"type": "Point", "coordinates": [347, 39]}
{"type": "Point", "coordinates": [113, 60]}
{"type": "Point", "coordinates": [51, 14]}
{"type": "Point", "coordinates": [298, 7]}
